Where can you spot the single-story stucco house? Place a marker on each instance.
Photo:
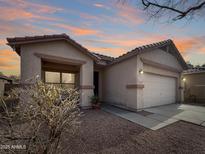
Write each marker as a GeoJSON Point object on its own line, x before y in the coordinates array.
{"type": "Point", "coordinates": [194, 85]}
{"type": "Point", "coordinates": [147, 76]}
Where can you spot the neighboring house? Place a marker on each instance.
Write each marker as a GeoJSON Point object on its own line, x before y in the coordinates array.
{"type": "Point", "coordinates": [3, 80]}
{"type": "Point", "coordinates": [194, 85]}
{"type": "Point", "coordinates": [146, 76]}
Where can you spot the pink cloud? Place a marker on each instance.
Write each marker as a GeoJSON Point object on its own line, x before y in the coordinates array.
{"type": "Point", "coordinates": [10, 14]}
{"type": "Point", "coordinates": [2, 42]}
{"type": "Point", "coordinates": [99, 5]}
{"type": "Point", "coordinates": [6, 52]}
{"type": "Point", "coordinates": [126, 41]}
{"type": "Point", "coordinates": [186, 45]}
{"type": "Point", "coordinates": [77, 30]}
{"type": "Point", "coordinates": [21, 9]}
{"type": "Point", "coordinates": [40, 8]}
{"type": "Point", "coordinates": [122, 14]}
{"type": "Point", "coordinates": [202, 49]}
{"type": "Point", "coordinates": [129, 41]}
{"type": "Point", "coordinates": [9, 61]}
{"type": "Point", "coordinates": [129, 14]}
{"type": "Point", "coordinates": [121, 44]}
{"type": "Point", "coordinates": [10, 29]}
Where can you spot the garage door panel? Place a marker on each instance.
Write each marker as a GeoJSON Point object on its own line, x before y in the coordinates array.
{"type": "Point", "coordinates": [159, 90]}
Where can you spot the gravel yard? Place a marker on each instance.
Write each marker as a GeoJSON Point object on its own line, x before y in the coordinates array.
{"type": "Point", "coordinates": [104, 133]}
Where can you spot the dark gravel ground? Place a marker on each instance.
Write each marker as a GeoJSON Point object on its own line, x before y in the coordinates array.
{"type": "Point", "coordinates": [104, 133]}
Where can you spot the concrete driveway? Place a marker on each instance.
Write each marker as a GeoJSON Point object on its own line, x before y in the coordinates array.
{"type": "Point", "coordinates": [157, 117]}
{"type": "Point", "coordinates": [189, 113]}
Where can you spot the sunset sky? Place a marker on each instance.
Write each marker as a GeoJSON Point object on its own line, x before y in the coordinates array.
{"type": "Point", "coordinates": [107, 27]}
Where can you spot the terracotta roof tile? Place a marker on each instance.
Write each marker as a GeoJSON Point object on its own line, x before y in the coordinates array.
{"type": "Point", "coordinates": [17, 41]}
{"type": "Point", "coordinates": [195, 70]}
{"type": "Point", "coordinates": [139, 49]}
{"type": "Point", "coordinates": [104, 57]}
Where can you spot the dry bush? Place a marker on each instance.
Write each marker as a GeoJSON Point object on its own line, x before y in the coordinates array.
{"type": "Point", "coordinates": [44, 113]}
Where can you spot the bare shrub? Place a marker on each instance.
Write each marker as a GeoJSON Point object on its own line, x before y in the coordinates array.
{"type": "Point", "coordinates": [43, 114]}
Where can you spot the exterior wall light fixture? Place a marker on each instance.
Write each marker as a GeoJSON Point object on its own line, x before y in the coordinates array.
{"type": "Point", "coordinates": [141, 71]}
{"type": "Point", "coordinates": [184, 79]}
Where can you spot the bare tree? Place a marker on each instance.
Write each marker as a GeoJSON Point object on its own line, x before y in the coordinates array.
{"type": "Point", "coordinates": [43, 115]}
{"type": "Point", "coordinates": [176, 9]}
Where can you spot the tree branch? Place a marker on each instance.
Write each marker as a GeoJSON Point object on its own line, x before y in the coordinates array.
{"type": "Point", "coordinates": [181, 13]}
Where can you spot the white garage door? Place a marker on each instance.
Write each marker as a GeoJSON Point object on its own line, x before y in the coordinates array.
{"type": "Point", "coordinates": [159, 90]}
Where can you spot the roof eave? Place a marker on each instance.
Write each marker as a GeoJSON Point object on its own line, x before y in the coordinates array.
{"type": "Point", "coordinates": [16, 45]}
{"type": "Point", "coordinates": [188, 73]}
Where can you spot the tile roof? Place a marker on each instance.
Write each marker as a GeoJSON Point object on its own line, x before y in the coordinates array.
{"type": "Point", "coordinates": [149, 47]}
{"type": "Point", "coordinates": [140, 49]}
{"type": "Point", "coordinates": [107, 59]}
{"type": "Point", "coordinates": [15, 42]}
{"type": "Point", "coordinates": [99, 58]}
{"type": "Point", "coordinates": [195, 70]}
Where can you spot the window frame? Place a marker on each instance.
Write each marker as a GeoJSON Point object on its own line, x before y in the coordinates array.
{"type": "Point", "coordinates": [60, 83]}
{"type": "Point", "coordinates": [52, 82]}
{"type": "Point", "coordinates": [62, 78]}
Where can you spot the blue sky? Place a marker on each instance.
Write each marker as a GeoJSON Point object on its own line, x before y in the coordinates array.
{"type": "Point", "coordinates": [107, 27]}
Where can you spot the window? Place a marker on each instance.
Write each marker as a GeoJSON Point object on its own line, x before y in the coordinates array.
{"type": "Point", "coordinates": [68, 78]}
{"type": "Point", "coordinates": [52, 77]}
{"type": "Point", "coordinates": [63, 79]}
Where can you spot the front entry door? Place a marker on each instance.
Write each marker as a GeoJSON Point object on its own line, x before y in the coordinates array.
{"type": "Point", "coordinates": [96, 83]}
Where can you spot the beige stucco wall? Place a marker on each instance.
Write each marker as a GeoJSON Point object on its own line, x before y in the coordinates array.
{"type": "Point", "coordinates": [115, 79]}
{"type": "Point", "coordinates": [31, 64]}
{"type": "Point", "coordinates": [161, 57]}
{"type": "Point", "coordinates": [195, 86]}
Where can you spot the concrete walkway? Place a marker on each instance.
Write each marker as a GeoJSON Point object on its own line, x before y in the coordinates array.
{"type": "Point", "coordinates": [162, 116]}
{"type": "Point", "coordinates": [189, 113]}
